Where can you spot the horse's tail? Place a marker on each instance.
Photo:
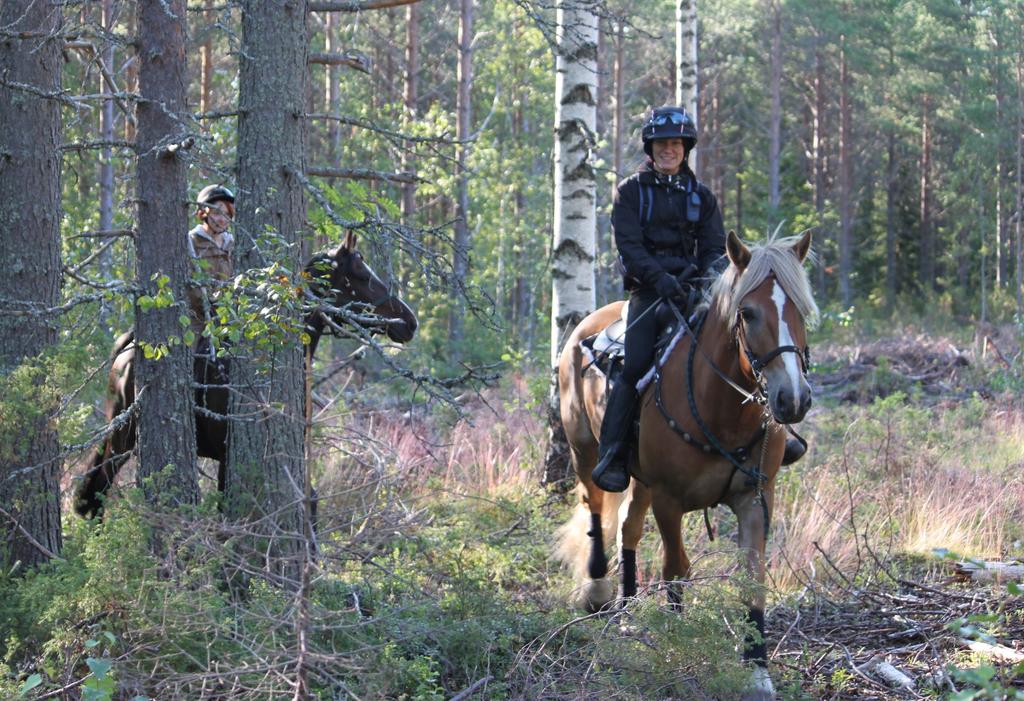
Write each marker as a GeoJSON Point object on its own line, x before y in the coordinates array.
{"type": "Point", "coordinates": [575, 548]}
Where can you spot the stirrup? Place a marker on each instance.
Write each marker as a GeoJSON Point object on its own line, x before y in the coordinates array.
{"type": "Point", "coordinates": [612, 473]}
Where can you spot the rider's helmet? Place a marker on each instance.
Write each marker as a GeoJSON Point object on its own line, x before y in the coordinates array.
{"type": "Point", "coordinates": [215, 193]}
{"type": "Point", "coordinates": [669, 123]}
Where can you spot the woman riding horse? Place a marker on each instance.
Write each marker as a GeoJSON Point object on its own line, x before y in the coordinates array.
{"type": "Point", "coordinates": [671, 242]}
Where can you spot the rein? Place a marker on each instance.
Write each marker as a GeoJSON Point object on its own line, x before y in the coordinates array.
{"type": "Point", "coordinates": [755, 475]}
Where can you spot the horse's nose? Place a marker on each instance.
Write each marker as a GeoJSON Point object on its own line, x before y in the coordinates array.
{"type": "Point", "coordinates": [789, 407]}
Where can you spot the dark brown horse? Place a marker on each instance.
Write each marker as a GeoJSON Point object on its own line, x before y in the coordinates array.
{"type": "Point", "coordinates": [702, 441]}
{"type": "Point", "coordinates": [340, 278]}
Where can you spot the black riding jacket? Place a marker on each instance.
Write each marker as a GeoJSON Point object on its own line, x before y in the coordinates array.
{"type": "Point", "coordinates": [661, 238]}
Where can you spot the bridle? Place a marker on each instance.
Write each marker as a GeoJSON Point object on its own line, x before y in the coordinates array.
{"type": "Point", "coordinates": [759, 362]}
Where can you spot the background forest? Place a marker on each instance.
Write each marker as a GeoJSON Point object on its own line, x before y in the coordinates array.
{"type": "Point", "coordinates": [893, 129]}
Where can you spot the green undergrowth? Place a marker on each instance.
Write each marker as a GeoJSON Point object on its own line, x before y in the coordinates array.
{"type": "Point", "coordinates": [464, 593]}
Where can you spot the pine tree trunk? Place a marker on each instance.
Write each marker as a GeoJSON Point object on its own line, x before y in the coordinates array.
{"type": "Point", "coordinates": [30, 135]}
{"type": "Point", "coordinates": [819, 156]}
{"type": "Point", "coordinates": [775, 117]}
{"type": "Point", "coordinates": [206, 63]}
{"type": "Point", "coordinates": [332, 99]}
{"type": "Point", "coordinates": [463, 114]}
{"type": "Point", "coordinates": [845, 180]}
{"type": "Point", "coordinates": [891, 175]}
{"type": "Point", "coordinates": [166, 423]}
{"type": "Point", "coordinates": [686, 64]}
{"type": "Point", "coordinates": [410, 97]}
{"type": "Point", "coordinates": [572, 258]}
{"type": "Point", "coordinates": [1019, 213]}
{"type": "Point", "coordinates": [926, 262]}
{"type": "Point", "coordinates": [266, 463]}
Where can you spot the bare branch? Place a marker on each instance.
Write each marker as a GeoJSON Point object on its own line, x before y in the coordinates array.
{"type": "Point", "coordinates": [356, 5]}
{"type": "Point", "coordinates": [363, 174]}
{"type": "Point", "coordinates": [352, 59]}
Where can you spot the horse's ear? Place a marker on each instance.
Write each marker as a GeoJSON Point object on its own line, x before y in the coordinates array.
{"type": "Point", "coordinates": [802, 247]}
{"type": "Point", "coordinates": [350, 241]}
{"type": "Point", "coordinates": [738, 253]}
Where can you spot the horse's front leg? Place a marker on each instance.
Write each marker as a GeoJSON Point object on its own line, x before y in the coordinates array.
{"type": "Point", "coordinates": [753, 515]}
{"type": "Point", "coordinates": [675, 563]}
{"type": "Point", "coordinates": [635, 512]}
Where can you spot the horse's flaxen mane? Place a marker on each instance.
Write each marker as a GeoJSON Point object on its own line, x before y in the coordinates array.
{"type": "Point", "coordinates": [774, 256]}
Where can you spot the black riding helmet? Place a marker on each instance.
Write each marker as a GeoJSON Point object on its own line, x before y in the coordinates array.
{"type": "Point", "coordinates": [215, 193]}
{"type": "Point", "coordinates": [669, 123]}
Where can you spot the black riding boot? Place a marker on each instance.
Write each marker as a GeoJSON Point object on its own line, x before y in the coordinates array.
{"type": "Point", "coordinates": [795, 449]}
{"type": "Point", "coordinates": [612, 473]}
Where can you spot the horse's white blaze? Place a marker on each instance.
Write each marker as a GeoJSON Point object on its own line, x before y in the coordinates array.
{"type": "Point", "coordinates": [786, 338]}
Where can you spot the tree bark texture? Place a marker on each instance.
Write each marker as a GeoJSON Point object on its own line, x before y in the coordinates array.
{"type": "Point", "coordinates": [266, 465]}
{"type": "Point", "coordinates": [410, 97]}
{"type": "Point", "coordinates": [845, 180]}
{"type": "Point", "coordinates": [572, 264]}
{"type": "Point", "coordinates": [775, 117]}
{"type": "Point", "coordinates": [30, 134]}
{"type": "Point", "coordinates": [575, 216]}
{"type": "Point", "coordinates": [166, 423]}
{"type": "Point", "coordinates": [463, 117]}
{"type": "Point", "coordinates": [686, 62]}
{"type": "Point", "coordinates": [926, 261]}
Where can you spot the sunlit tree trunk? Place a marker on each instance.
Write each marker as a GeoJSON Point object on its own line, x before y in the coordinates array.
{"type": "Point", "coordinates": [572, 254]}
{"type": "Point", "coordinates": [332, 99]}
{"type": "Point", "coordinates": [410, 97]}
{"type": "Point", "coordinates": [463, 115]}
{"type": "Point", "coordinates": [845, 179]}
{"type": "Point", "coordinates": [206, 62]}
{"type": "Point", "coordinates": [166, 424]}
{"type": "Point", "coordinates": [926, 268]}
{"type": "Point", "coordinates": [686, 63]}
{"type": "Point", "coordinates": [30, 136]}
{"type": "Point", "coordinates": [266, 463]}
{"type": "Point", "coordinates": [1019, 213]}
{"type": "Point", "coordinates": [775, 115]}
{"type": "Point", "coordinates": [819, 156]}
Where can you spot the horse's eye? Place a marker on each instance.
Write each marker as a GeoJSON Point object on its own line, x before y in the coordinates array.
{"type": "Point", "coordinates": [748, 315]}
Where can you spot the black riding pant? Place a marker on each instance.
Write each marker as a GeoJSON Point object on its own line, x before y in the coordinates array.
{"type": "Point", "coordinates": [642, 330]}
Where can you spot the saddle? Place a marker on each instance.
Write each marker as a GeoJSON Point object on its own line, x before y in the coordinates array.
{"type": "Point", "coordinates": [606, 349]}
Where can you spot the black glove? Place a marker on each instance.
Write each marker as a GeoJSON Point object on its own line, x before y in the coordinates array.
{"type": "Point", "coordinates": [668, 287]}
{"type": "Point", "coordinates": [690, 272]}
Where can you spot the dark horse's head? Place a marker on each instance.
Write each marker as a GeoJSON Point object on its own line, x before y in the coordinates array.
{"type": "Point", "coordinates": [342, 278]}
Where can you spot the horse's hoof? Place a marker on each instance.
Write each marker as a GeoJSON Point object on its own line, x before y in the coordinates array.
{"type": "Point", "coordinates": [597, 594]}
{"type": "Point", "coordinates": [760, 687]}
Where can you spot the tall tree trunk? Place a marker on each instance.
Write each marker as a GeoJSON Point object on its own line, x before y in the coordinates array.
{"type": "Point", "coordinates": [572, 254]}
{"type": "Point", "coordinates": [206, 62]}
{"type": "Point", "coordinates": [410, 97]}
{"type": "Point", "coordinates": [775, 117]}
{"type": "Point", "coordinates": [926, 263]}
{"type": "Point", "coordinates": [30, 134]}
{"type": "Point", "coordinates": [819, 156]}
{"type": "Point", "coordinates": [463, 115]}
{"type": "Point", "coordinates": [739, 186]}
{"type": "Point", "coordinates": [1019, 214]}
{"type": "Point", "coordinates": [107, 57]}
{"type": "Point", "coordinates": [266, 465]}
{"type": "Point", "coordinates": [686, 63]}
{"type": "Point", "coordinates": [166, 424]}
{"type": "Point", "coordinates": [332, 99]}
{"type": "Point", "coordinates": [1000, 176]}
{"type": "Point", "coordinates": [845, 179]}
{"type": "Point", "coordinates": [891, 174]}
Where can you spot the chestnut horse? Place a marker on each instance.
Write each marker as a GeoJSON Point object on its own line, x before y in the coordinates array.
{"type": "Point", "coordinates": [340, 278]}
{"type": "Point", "coordinates": [702, 440]}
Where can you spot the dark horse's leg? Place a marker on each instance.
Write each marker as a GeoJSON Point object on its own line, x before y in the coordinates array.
{"type": "Point", "coordinates": [632, 530]}
{"type": "Point", "coordinates": [112, 455]}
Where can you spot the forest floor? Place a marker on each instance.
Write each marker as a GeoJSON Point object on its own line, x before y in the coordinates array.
{"type": "Point", "coordinates": [896, 627]}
